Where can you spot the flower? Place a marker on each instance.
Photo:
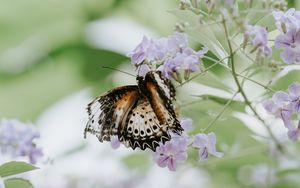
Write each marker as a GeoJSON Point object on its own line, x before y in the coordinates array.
{"type": "Point", "coordinates": [168, 154]}
{"type": "Point", "coordinates": [171, 54]}
{"type": "Point", "coordinates": [142, 70]}
{"type": "Point", "coordinates": [287, 107]}
{"type": "Point", "coordinates": [279, 106]}
{"type": "Point", "coordinates": [17, 139]}
{"type": "Point", "coordinates": [258, 37]}
{"type": "Point", "coordinates": [186, 123]}
{"type": "Point", "coordinates": [144, 51]}
{"type": "Point", "coordinates": [294, 130]}
{"type": "Point", "coordinates": [114, 142]}
{"type": "Point", "coordinates": [294, 93]}
{"type": "Point", "coordinates": [288, 20]}
{"type": "Point", "coordinates": [206, 145]}
{"type": "Point", "coordinates": [187, 60]}
{"type": "Point", "coordinates": [290, 42]}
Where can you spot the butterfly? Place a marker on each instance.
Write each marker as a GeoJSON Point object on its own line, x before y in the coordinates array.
{"type": "Point", "coordinates": [142, 115]}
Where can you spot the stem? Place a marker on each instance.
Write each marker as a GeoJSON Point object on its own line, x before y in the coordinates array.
{"type": "Point", "coordinates": [240, 75]}
{"type": "Point", "coordinates": [195, 76]}
{"type": "Point", "coordinates": [240, 89]}
{"type": "Point", "coordinates": [221, 112]}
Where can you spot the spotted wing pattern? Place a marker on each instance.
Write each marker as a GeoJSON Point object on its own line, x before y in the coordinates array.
{"type": "Point", "coordinates": [143, 128]}
{"type": "Point", "coordinates": [141, 116]}
{"type": "Point", "coordinates": [108, 112]}
{"type": "Point", "coordinates": [160, 94]}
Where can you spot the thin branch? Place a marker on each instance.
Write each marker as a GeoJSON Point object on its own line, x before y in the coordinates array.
{"type": "Point", "coordinates": [220, 113]}
{"type": "Point", "coordinates": [243, 76]}
{"type": "Point", "coordinates": [240, 89]}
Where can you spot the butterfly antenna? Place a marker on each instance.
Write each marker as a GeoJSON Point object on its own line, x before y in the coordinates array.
{"type": "Point", "coordinates": [106, 67]}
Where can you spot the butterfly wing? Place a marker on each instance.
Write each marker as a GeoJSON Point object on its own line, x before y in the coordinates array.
{"type": "Point", "coordinates": [164, 85]}
{"type": "Point", "coordinates": [108, 113]}
{"type": "Point", "coordinates": [143, 128]}
{"type": "Point", "coordinates": [160, 93]}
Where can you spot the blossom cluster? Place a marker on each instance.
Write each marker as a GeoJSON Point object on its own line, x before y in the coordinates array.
{"type": "Point", "coordinates": [288, 24]}
{"type": "Point", "coordinates": [169, 55]}
{"type": "Point", "coordinates": [169, 153]}
{"type": "Point", "coordinates": [18, 140]}
{"type": "Point", "coordinates": [258, 38]}
{"type": "Point", "coordinates": [287, 107]}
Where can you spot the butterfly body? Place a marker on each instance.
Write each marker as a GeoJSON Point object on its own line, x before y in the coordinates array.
{"type": "Point", "coordinates": [140, 115]}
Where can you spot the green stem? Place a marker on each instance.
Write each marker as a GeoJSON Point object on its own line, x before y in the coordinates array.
{"type": "Point", "coordinates": [240, 75]}
{"type": "Point", "coordinates": [240, 89]}
{"type": "Point", "coordinates": [220, 113]}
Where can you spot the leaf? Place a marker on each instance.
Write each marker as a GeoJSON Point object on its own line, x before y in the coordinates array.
{"type": "Point", "coordinates": [237, 105]}
{"type": "Point", "coordinates": [288, 171]}
{"type": "Point", "coordinates": [14, 167]}
{"type": "Point", "coordinates": [17, 183]}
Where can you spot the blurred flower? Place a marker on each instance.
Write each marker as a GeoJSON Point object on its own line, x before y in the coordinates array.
{"type": "Point", "coordinates": [144, 51]}
{"type": "Point", "coordinates": [114, 142]}
{"type": "Point", "coordinates": [142, 70]}
{"type": "Point", "coordinates": [17, 139]}
{"type": "Point", "coordinates": [258, 36]}
{"type": "Point", "coordinates": [263, 175]}
{"type": "Point", "coordinates": [290, 42]}
{"type": "Point", "coordinates": [294, 92]}
{"type": "Point", "coordinates": [294, 130]}
{"type": "Point", "coordinates": [287, 107]}
{"type": "Point", "coordinates": [186, 123]}
{"type": "Point", "coordinates": [279, 106]}
{"type": "Point", "coordinates": [288, 20]}
{"type": "Point", "coordinates": [1, 183]}
{"type": "Point", "coordinates": [206, 145]}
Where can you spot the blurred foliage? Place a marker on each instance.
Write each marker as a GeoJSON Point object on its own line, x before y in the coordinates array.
{"type": "Point", "coordinates": [57, 61]}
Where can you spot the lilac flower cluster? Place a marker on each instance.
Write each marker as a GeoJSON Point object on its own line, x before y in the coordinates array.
{"type": "Point", "coordinates": [168, 154]}
{"type": "Point", "coordinates": [288, 24]}
{"type": "Point", "coordinates": [169, 55]}
{"type": "Point", "coordinates": [258, 37]}
{"type": "Point", "coordinates": [287, 107]}
{"type": "Point", "coordinates": [17, 139]}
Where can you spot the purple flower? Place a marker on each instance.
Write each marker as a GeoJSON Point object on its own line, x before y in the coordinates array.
{"type": "Point", "coordinates": [168, 154]}
{"type": "Point", "coordinates": [287, 107]}
{"type": "Point", "coordinates": [290, 42]}
{"type": "Point", "coordinates": [258, 37]}
{"type": "Point", "coordinates": [144, 51]}
{"type": "Point", "coordinates": [187, 60]}
{"type": "Point", "coordinates": [18, 139]}
{"type": "Point", "coordinates": [206, 145]}
{"type": "Point", "coordinates": [186, 124]}
{"type": "Point", "coordinates": [294, 92]}
{"type": "Point", "coordinates": [279, 106]}
{"type": "Point", "coordinates": [294, 130]}
{"type": "Point", "coordinates": [114, 142]}
{"type": "Point", "coordinates": [142, 70]}
{"type": "Point", "coordinates": [172, 54]}
{"type": "Point", "coordinates": [288, 20]}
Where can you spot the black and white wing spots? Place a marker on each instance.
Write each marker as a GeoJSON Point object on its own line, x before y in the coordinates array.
{"type": "Point", "coordinates": [108, 112]}
{"type": "Point", "coordinates": [164, 85]}
{"type": "Point", "coordinates": [143, 128]}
